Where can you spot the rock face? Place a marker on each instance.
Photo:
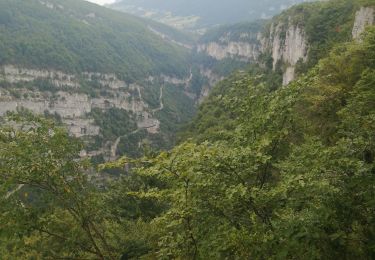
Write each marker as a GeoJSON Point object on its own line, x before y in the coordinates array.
{"type": "Point", "coordinates": [285, 42]}
{"type": "Point", "coordinates": [71, 105]}
{"type": "Point", "coordinates": [13, 74]}
{"type": "Point", "coordinates": [212, 78]}
{"type": "Point", "coordinates": [242, 50]}
{"type": "Point", "coordinates": [244, 46]}
{"type": "Point", "coordinates": [288, 46]}
{"type": "Point", "coordinates": [364, 17]}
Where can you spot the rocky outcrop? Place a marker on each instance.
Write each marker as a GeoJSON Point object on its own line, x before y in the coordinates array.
{"type": "Point", "coordinates": [105, 80]}
{"type": "Point", "coordinates": [364, 17]}
{"type": "Point", "coordinates": [288, 44]}
{"type": "Point", "coordinates": [81, 127]}
{"type": "Point", "coordinates": [59, 79]}
{"type": "Point", "coordinates": [69, 104]}
{"type": "Point", "coordinates": [285, 41]}
{"type": "Point", "coordinates": [73, 108]}
{"type": "Point", "coordinates": [289, 75]}
{"type": "Point", "coordinates": [66, 105]}
{"type": "Point", "coordinates": [212, 78]}
{"type": "Point", "coordinates": [245, 46]}
{"type": "Point", "coordinates": [242, 50]}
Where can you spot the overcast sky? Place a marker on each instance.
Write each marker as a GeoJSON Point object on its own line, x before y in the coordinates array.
{"type": "Point", "coordinates": [101, 2]}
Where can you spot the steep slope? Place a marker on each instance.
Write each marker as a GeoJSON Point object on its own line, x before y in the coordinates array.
{"type": "Point", "coordinates": [196, 15]}
{"type": "Point", "coordinates": [75, 60]}
{"type": "Point", "coordinates": [293, 41]}
{"type": "Point", "coordinates": [286, 47]}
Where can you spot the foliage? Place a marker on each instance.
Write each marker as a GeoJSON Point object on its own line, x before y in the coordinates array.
{"type": "Point", "coordinates": [114, 122]}
{"type": "Point", "coordinates": [269, 172]}
{"type": "Point", "coordinates": [79, 36]}
{"type": "Point", "coordinates": [291, 178]}
{"type": "Point", "coordinates": [48, 207]}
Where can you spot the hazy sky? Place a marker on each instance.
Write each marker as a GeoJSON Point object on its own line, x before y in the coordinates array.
{"type": "Point", "coordinates": [101, 2]}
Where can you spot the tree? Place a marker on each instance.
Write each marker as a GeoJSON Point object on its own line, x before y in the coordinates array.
{"type": "Point", "coordinates": [49, 209]}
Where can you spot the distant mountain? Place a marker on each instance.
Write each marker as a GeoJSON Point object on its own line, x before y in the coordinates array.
{"type": "Point", "coordinates": [200, 14]}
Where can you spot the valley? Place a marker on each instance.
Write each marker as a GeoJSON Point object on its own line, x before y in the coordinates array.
{"type": "Point", "coordinates": [71, 96]}
{"type": "Point", "coordinates": [187, 130]}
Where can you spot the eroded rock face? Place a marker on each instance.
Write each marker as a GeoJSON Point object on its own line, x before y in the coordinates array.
{"type": "Point", "coordinates": [246, 46]}
{"type": "Point", "coordinates": [289, 75]}
{"type": "Point", "coordinates": [288, 47]}
{"type": "Point", "coordinates": [14, 74]}
{"type": "Point", "coordinates": [73, 107]}
{"type": "Point", "coordinates": [285, 42]}
{"type": "Point", "coordinates": [364, 17]}
{"type": "Point", "coordinates": [295, 47]}
{"type": "Point", "coordinates": [212, 78]}
{"type": "Point", "coordinates": [81, 127]}
{"type": "Point", "coordinates": [241, 50]}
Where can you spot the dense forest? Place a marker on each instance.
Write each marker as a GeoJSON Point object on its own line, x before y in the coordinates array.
{"type": "Point", "coordinates": [264, 171]}
{"type": "Point", "coordinates": [75, 36]}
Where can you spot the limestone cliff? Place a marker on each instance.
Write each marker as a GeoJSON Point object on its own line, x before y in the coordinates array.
{"type": "Point", "coordinates": [288, 46]}
{"type": "Point", "coordinates": [242, 50]}
{"type": "Point", "coordinates": [72, 105]}
{"type": "Point", "coordinates": [284, 39]}
{"type": "Point", "coordinates": [364, 17]}
{"type": "Point", "coordinates": [240, 41]}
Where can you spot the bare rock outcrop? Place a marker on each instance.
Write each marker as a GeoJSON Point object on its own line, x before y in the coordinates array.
{"type": "Point", "coordinates": [288, 46]}
{"type": "Point", "coordinates": [364, 17]}
{"type": "Point", "coordinates": [242, 50]}
{"type": "Point", "coordinates": [71, 105]}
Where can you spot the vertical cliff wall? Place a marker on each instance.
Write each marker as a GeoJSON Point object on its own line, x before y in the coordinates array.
{"type": "Point", "coordinates": [364, 17]}
{"type": "Point", "coordinates": [288, 44]}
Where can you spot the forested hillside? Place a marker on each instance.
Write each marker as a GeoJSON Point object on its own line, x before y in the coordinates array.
{"type": "Point", "coordinates": [265, 171]}
{"type": "Point", "coordinates": [75, 36]}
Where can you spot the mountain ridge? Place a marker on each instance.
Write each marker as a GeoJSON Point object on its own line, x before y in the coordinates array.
{"type": "Point", "coordinates": [198, 15]}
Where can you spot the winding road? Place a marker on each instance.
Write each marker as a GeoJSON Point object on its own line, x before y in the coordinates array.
{"type": "Point", "coordinates": [161, 104]}
{"type": "Point", "coordinates": [118, 140]}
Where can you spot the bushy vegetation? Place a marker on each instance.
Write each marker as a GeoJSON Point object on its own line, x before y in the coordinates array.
{"type": "Point", "coordinates": [114, 122]}
{"type": "Point", "coordinates": [178, 111]}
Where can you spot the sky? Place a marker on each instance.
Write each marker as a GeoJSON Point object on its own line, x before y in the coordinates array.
{"type": "Point", "coordinates": [101, 2]}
